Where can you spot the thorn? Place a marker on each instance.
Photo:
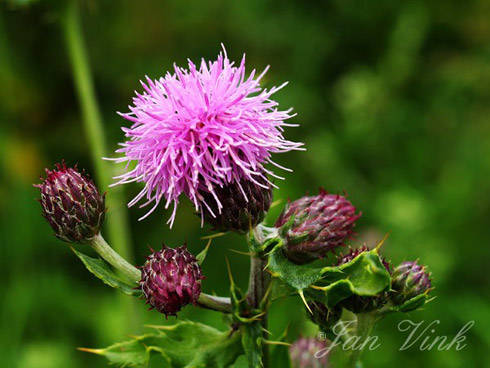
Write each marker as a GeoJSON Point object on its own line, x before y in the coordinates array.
{"type": "Point", "coordinates": [229, 270]}
{"type": "Point", "coordinates": [212, 236]}
{"type": "Point", "coordinates": [93, 351]}
{"type": "Point", "coordinates": [266, 331]}
{"type": "Point", "coordinates": [161, 327]}
{"type": "Point", "coordinates": [380, 244]}
{"type": "Point", "coordinates": [300, 292]}
{"type": "Point", "coordinates": [268, 342]}
{"type": "Point", "coordinates": [240, 252]}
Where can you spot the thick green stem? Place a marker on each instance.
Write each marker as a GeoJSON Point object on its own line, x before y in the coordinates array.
{"type": "Point", "coordinates": [217, 303]}
{"type": "Point", "coordinates": [365, 324]}
{"type": "Point", "coordinates": [104, 250]}
{"type": "Point", "coordinates": [117, 217]}
{"type": "Point", "coordinates": [114, 259]}
{"type": "Point", "coordinates": [259, 281]}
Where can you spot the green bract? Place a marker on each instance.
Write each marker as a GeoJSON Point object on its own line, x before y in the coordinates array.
{"type": "Point", "coordinates": [365, 275]}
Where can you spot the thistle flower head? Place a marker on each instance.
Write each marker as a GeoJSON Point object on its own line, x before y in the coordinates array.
{"type": "Point", "coordinates": [314, 225]}
{"type": "Point", "coordinates": [308, 352]}
{"type": "Point", "coordinates": [409, 280]}
{"type": "Point", "coordinates": [71, 204]}
{"type": "Point", "coordinates": [200, 129]}
{"type": "Point", "coordinates": [170, 279]}
{"type": "Point", "coordinates": [245, 205]}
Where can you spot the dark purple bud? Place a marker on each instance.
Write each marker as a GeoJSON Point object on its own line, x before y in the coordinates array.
{"type": "Point", "coordinates": [313, 226]}
{"type": "Point", "coordinates": [171, 279]}
{"type": "Point", "coordinates": [357, 303]}
{"type": "Point", "coordinates": [243, 206]}
{"type": "Point", "coordinates": [72, 204]}
{"type": "Point", "coordinates": [321, 315]}
{"type": "Point", "coordinates": [408, 281]}
{"type": "Point", "coordinates": [308, 352]}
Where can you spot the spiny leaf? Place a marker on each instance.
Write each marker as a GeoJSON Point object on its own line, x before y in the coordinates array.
{"type": "Point", "coordinates": [365, 275]}
{"type": "Point", "coordinates": [101, 269]}
{"type": "Point", "coordinates": [183, 345]}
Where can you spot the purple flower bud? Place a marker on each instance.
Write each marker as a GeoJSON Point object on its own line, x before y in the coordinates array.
{"type": "Point", "coordinates": [313, 226]}
{"type": "Point", "coordinates": [72, 204]}
{"type": "Point", "coordinates": [171, 279]}
{"type": "Point", "coordinates": [408, 281]}
{"type": "Point", "coordinates": [243, 205]}
{"type": "Point", "coordinates": [357, 303]}
{"type": "Point", "coordinates": [308, 352]}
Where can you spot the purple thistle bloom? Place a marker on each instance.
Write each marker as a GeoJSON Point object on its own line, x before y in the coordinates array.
{"type": "Point", "coordinates": [199, 129]}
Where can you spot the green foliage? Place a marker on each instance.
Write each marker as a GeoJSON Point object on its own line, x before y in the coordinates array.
{"type": "Point", "coordinates": [365, 275]}
{"type": "Point", "coordinates": [102, 270]}
{"type": "Point", "coordinates": [183, 345]}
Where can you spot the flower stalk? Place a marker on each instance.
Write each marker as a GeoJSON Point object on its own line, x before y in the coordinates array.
{"type": "Point", "coordinates": [259, 281]}
{"type": "Point", "coordinates": [365, 324]}
{"type": "Point", "coordinates": [104, 250]}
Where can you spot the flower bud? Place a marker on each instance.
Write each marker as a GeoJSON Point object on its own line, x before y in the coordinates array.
{"type": "Point", "coordinates": [357, 303]}
{"type": "Point", "coordinates": [171, 279]}
{"type": "Point", "coordinates": [408, 281]}
{"type": "Point", "coordinates": [72, 204]}
{"type": "Point", "coordinates": [308, 352]}
{"type": "Point", "coordinates": [313, 226]}
{"type": "Point", "coordinates": [322, 316]}
{"type": "Point", "coordinates": [244, 206]}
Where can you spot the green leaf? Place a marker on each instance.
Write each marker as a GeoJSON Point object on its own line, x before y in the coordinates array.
{"type": "Point", "coordinates": [183, 345]}
{"type": "Point", "coordinates": [101, 269]}
{"type": "Point", "coordinates": [365, 275]}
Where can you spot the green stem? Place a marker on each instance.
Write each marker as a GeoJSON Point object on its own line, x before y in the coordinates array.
{"type": "Point", "coordinates": [365, 324]}
{"type": "Point", "coordinates": [114, 259]}
{"type": "Point", "coordinates": [259, 281]}
{"type": "Point", "coordinates": [104, 250]}
{"type": "Point", "coordinates": [117, 217]}
{"type": "Point", "coordinates": [217, 303]}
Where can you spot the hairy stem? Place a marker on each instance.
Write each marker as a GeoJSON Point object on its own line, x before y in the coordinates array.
{"type": "Point", "coordinates": [117, 217]}
{"type": "Point", "coordinates": [104, 250]}
{"type": "Point", "coordinates": [257, 287]}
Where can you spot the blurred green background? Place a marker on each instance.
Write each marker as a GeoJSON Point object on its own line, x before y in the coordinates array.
{"type": "Point", "coordinates": [393, 99]}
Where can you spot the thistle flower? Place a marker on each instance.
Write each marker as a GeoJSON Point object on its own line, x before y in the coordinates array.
{"type": "Point", "coordinates": [171, 279]}
{"type": "Point", "coordinates": [200, 129]}
{"type": "Point", "coordinates": [313, 226]}
{"type": "Point", "coordinates": [308, 352]}
{"type": "Point", "coordinates": [408, 281]}
{"type": "Point", "coordinates": [244, 206]}
{"type": "Point", "coordinates": [357, 303]}
{"type": "Point", "coordinates": [71, 204]}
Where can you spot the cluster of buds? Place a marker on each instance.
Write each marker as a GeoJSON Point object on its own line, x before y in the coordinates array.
{"type": "Point", "coordinates": [243, 205]}
{"type": "Point", "coordinates": [308, 352]}
{"type": "Point", "coordinates": [71, 204]}
{"type": "Point", "coordinates": [312, 226]}
{"type": "Point", "coordinates": [170, 279]}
